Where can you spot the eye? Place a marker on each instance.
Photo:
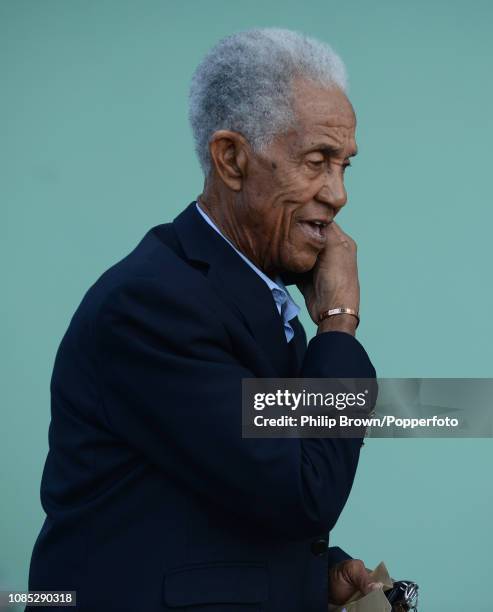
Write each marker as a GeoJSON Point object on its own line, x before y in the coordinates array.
{"type": "Point", "coordinates": [316, 163]}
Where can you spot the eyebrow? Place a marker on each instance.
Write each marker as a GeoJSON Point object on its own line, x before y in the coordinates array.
{"type": "Point", "coordinates": [329, 150]}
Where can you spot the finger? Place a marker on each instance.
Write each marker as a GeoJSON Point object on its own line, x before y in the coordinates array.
{"type": "Point", "coordinates": [338, 231]}
{"type": "Point", "coordinates": [336, 234]}
{"type": "Point", "coordinates": [359, 577]}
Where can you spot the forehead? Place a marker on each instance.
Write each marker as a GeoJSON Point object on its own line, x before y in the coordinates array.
{"type": "Point", "coordinates": [323, 113]}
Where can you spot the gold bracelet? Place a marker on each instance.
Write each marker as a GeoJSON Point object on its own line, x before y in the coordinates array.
{"type": "Point", "coordinates": [325, 314]}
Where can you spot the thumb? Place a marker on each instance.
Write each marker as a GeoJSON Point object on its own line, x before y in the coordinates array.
{"type": "Point", "coordinates": [359, 577]}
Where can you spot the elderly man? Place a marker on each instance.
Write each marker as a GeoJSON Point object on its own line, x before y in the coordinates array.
{"type": "Point", "coordinates": [154, 501]}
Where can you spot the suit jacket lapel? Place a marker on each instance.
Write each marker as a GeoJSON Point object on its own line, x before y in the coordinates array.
{"type": "Point", "coordinates": [237, 284]}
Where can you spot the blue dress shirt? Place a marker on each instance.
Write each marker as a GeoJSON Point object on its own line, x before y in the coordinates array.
{"type": "Point", "coordinates": [286, 306]}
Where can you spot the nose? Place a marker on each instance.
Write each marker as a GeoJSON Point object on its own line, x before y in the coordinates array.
{"type": "Point", "coordinates": [333, 192]}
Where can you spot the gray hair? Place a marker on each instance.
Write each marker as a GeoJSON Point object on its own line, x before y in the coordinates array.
{"type": "Point", "coordinates": [244, 84]}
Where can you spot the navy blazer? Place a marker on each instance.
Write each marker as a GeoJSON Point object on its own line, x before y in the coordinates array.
{"type": "Point", "coordinates": [153, 499]}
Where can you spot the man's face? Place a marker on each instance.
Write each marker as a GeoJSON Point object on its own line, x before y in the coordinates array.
{"type": "Point", "coordinates": [295, 187]}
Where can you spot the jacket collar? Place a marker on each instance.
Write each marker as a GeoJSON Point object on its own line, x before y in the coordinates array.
{"type": "Point", "coordinates": [237, 284]}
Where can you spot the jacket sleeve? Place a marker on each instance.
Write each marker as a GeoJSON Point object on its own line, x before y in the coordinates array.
{"type": "Point", "coordinates": [171, 388]}
{"type": "Point", "coordinates": [350, 361]}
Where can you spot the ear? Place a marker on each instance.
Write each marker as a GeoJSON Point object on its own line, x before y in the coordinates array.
{"type": "Point", "coordinates": [229, 152]}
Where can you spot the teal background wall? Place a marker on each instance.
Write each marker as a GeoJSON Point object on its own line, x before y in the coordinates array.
{"type": "Point", "coordinates": [95, 149]}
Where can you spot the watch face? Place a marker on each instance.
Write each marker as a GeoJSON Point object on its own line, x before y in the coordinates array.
{"type": "Point", "coordinates": [403, 596]}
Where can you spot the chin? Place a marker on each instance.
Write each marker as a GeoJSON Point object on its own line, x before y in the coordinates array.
{"type": "Point", "coordinates": [300, 263]}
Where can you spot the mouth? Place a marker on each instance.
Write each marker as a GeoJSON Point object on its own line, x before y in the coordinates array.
{"type": "Point", "coordinates": [315, 230]}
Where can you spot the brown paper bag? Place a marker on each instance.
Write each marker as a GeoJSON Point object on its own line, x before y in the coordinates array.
{"type": "Point", "coordinates": [375, 601]}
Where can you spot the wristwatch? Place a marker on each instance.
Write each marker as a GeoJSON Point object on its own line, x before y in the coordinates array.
{"type": "Point", "coordinates": [403, 596]}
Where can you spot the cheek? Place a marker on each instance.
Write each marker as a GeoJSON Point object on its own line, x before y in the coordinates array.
{"type": "Point", "coordinates": [284, 212]}
{"type": "Point", "coordinates": [300, 187]}
{"type": "Point", "coordinates": [277, 203]}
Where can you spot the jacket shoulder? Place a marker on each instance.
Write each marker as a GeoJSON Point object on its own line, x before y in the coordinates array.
{"type": "Point", "coordinates": [155, 269]}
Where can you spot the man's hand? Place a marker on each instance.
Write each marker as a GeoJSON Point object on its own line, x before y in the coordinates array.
{"type": "Point", "coordinates": [348, 577]}
{"type": "Point", "coordinates": [334, 281]}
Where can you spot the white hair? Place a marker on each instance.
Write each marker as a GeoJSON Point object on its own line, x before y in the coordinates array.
{"type": "Point", "coordinates": [244, 83]}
